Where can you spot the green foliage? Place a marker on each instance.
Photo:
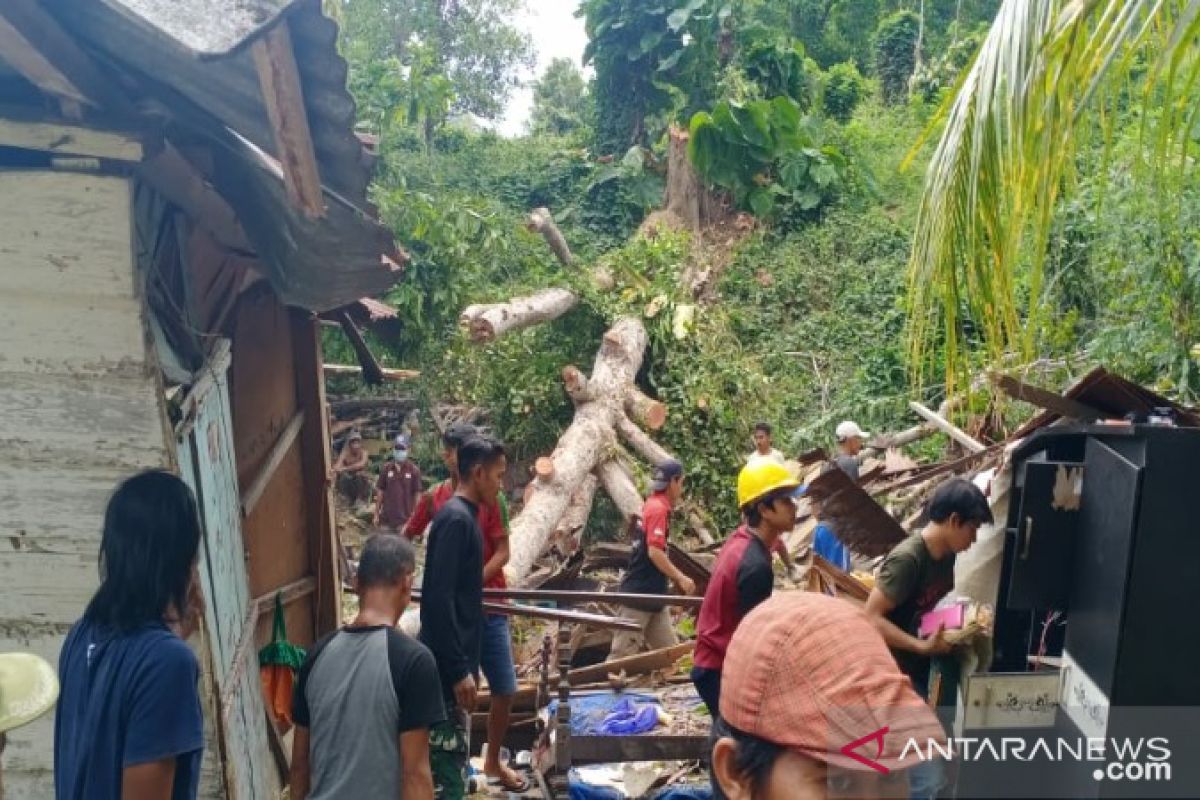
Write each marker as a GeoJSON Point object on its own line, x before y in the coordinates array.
{"type": "Point", "coordinates": [896, 54]}
{"type": "Point", "coordinates": [780, 69]}
{"type": "Point", "coordinates": [561, 104]}
{"type": "Point", "coordinates": [844, 89]}
{"type": "Point", "coordinates": [431, 57]}
{"type": "Point", "coordinates": [650, 59]}
{"type": "Point", "coordinates": [766, 154]}
{"type": "Point", "coordinates": [942, 73]}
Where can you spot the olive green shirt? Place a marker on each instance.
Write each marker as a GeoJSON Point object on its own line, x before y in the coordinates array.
{"type": "Point", "coordinates": [914, 581]}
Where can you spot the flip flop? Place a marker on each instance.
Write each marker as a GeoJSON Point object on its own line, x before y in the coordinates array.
{"type": "Point", "coordinates": [521, 787]}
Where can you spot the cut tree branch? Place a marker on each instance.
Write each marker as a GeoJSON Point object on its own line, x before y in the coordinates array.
{"type": "Point", "coordinates": [949, 428]}
{"type": "Point", "coordinates": [485, 323]}
{"type": "Point", "coordinates": [619, 486]}
{"type": "Point", "coordinates": [645, 410]}
{"type": "Point", "coordinates": [640, 441]}
{"type": "Point", "coordinates": [542, 222]}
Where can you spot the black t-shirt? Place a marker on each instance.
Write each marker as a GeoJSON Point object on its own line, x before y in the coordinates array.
{"type": "Point", "coordinates": [452, 592]}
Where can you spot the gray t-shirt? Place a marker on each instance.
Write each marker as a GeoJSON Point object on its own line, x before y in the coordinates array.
{"type": "Point", "coordinates": [358, 690]}
{"type": "Point", "coordinates": [848, 464]}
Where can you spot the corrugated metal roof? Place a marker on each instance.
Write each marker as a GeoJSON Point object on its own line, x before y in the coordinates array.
{"type": "Point", "coordinates": [206, 27]}
{"type": "Point", "coordinates": [195, 60]}
{"type": "Point", "coordinates": [226, 85]}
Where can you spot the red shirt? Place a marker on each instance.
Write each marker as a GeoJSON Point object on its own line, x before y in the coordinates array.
{"type": "Point", "coordinates": [400, 484]}
{"type": "Point", "coordinates": [642, 576]}
{"type": "Point", "coordinates": [741, 579]}
{"type": "Point", "coordinates": [492, 519]}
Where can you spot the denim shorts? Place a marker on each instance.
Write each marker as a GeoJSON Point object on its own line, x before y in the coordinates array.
{"type": "Point", "coordinates": [495, 659]}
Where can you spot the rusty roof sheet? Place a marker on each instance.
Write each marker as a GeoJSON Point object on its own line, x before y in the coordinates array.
{"type": "Point", "coordinates": [860, 523]}
{"type": "Point", "coordinates": [194, 60]}
{"type": "Point", "coordinates": [1113, 395]}
{"type": "Point", "coordinates": [224, 82]}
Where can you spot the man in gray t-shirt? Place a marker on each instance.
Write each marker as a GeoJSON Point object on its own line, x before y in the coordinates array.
{"type": "Point", "coordinates": [368, 694]}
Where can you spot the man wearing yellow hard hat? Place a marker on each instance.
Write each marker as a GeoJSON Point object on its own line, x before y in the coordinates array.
{"type": "Point", "coordinates": [742, 576]}
{"type": "Point", "coordinates": [28, 689]}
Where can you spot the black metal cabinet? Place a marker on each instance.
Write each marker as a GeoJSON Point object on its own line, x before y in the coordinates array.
{"type": "Point", "coordinates": [1041, 546]}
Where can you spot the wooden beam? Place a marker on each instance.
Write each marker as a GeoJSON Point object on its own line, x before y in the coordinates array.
{"type": "Point", "coordinates": [68, 139]}
{"type": "Point", "coordinates": [1063, 406]}
{"type": "Point", "coordinates": [949, 428]}
{"type": "Point", "coordinates": [388, 374]}
{"type": "Point", "coordinates": [618, 749]}
{"type": "Point", "coordinates": [262, 480]}
{"type": "Point", "coordinates": [291, 593]}
{"type": "Point", "coordinates": [567, 597]}
{"type": "Point", "coordinates": [175, 178]}
{"type": "Point", "coordinates": [33, 42]}
{"type": "Point", "coordinates": [555, 615]}
{"type": "Point", "coordinates": [324, 543]}
{"type": "Point", "coordinates": [279, 80]}
{"type": "Point", "coordinates": [640, 664]}
{"type": "Point", "coordinates": [372, 371]}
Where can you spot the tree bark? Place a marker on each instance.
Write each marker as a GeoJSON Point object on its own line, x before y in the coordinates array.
{"type": "Point", "coordinates": [640, 441]}
{"type": "Point", "coordinates": [569, 531]}
{"type": "Point", "coordinates": [542, 222]}
{"type": "Point", "coordinates": [619, 486]}
{"type": "Point", "coordinates": [687, 198]}
{"type": "Point", "coordinates": [586, 442]}
{"type": "Point", "coordinates": [487, 322]}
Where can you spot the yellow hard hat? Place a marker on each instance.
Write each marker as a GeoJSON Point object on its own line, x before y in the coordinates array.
{"type": "Point", "coordinates": [761, 478]}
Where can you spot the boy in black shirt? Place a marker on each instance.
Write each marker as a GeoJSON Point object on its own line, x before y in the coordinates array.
{"type": "Point", "coordinates": [452, 606]}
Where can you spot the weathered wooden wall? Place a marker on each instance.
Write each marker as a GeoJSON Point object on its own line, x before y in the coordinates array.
{"type": "Point", "coordinates": [80, 400]}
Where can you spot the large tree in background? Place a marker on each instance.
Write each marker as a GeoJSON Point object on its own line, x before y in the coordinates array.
{"type": "Point", "coordinates": [433, 58]}
{"type": "Point", "coordinates": [1048, 75]}
{"type": "Point", "coordinates": [561, 103]}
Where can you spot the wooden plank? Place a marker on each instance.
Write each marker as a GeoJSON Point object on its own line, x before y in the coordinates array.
{"type": "Point", "coordinates": [640, 664]}
{"type": "Point", "coordinates": [1063, 406]}
{"type": "Point", "coordinates": [610, 749]}
{"type": "Point", "coordinates": [19, 50]}
{"type": "Point", "coordinates": [325, 553]}
{"type": "Point", "coordinates": [297, 590]}
{"type": "Point", "coordinates": [578, 617]}
{"type": "Point", "coordinates": [176, 179]}
{"type": "Point", "coordinates": [388, 374]}
{"type": "Point", "coordinates": [60, 138]}
{"type": "Point", "coordinates": [575, 597]}
{"type": "Point", "coordinates": [66, 236]}
{"type": "Point", "coordinates": [279, 80]}
{"type": "Point", "coordinates": [251, 496]}
{"type": "Point", "coordinates": [949, 428]}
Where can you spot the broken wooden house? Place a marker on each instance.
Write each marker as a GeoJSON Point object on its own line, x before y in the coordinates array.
{"type": "Point", "coordinates": [182, 193]}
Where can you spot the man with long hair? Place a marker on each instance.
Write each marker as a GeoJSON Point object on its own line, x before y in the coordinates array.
{"type": "Point", "coordinates": [128, 722]}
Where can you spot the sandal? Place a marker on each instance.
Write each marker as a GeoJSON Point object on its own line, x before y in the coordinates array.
{"type": "Point", "coordinates": [521, 786]}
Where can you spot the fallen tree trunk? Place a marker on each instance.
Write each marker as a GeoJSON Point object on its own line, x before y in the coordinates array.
{"type": "Point", "coordinates": [542, 222]}
{"type": "Point", "coordinates": [585, 443]}
{"type": "Point", "coordinates": [484, 323]}
{"type": "Point", "coordinates": [569, 530]}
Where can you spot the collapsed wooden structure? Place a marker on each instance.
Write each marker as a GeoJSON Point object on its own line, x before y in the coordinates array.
{"type": "Point", "coordinates": [181, 194]}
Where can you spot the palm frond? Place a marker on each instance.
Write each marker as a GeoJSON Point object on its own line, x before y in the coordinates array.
{"type": "Point", "coordinates": [1005, 155]}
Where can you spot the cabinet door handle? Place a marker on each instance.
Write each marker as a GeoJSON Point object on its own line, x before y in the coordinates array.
{"type": "Point", "coordinates": [1028, 538]}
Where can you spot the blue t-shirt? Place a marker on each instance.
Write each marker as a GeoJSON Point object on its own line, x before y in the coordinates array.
{"type": "Point", "coordinates": [126, 699]}
{"type": "Point", "coordinates": [829, 547]}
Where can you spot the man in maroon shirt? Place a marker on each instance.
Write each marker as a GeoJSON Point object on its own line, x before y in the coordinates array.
{"type": "Point", "coordinates": [742, 576]}
{"type": "Point", "coordinates": [397, 489]}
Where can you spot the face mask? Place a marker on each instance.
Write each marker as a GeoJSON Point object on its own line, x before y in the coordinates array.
{"type": "Point", "coordinates": [400, 455]}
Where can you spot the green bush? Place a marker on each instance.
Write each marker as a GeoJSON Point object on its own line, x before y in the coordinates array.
{"type": "Point", "coordinates": [844, 89]}
{"type": "Point", "coordinates": [896, 54]}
